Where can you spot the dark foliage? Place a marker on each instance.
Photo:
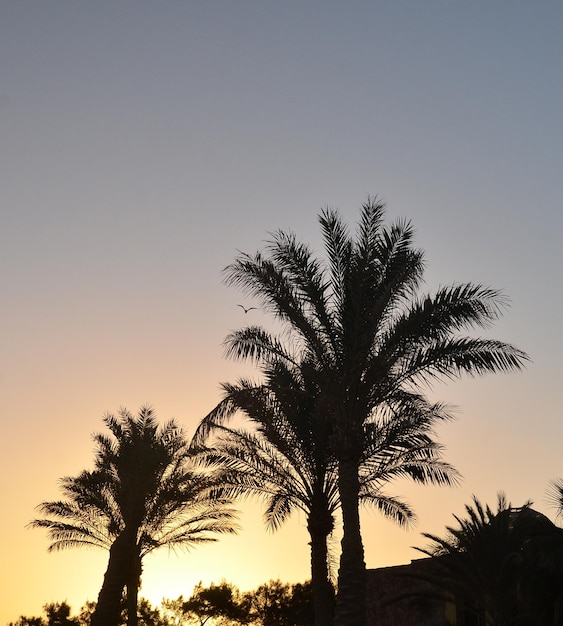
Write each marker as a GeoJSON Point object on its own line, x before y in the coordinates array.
{"type": "Point", "coordinates": [506, 564]}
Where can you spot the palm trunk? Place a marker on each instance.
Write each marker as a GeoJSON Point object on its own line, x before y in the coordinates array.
{"type": "Point", "coordinates": [323, 593]}
{"type": "Point", "coordinates": [108, 607]}
{"type": "Point", "coordinates": [351, 596]}
{"type": "Point", "coordinates": [133, 584]}
{"type": "Point", "coordinates": [132, 596]}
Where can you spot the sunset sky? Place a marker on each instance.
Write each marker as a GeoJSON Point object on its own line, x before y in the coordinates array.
{"type": "Point", "coordinates": [144, 143]}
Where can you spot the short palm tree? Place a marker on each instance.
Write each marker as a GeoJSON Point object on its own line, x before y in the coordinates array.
{"type": "Point", "coordinates": [146, 491]}
{"type": "Point", "coordinates": [287, 459]}
{"type": "Point", "coordinates": [505, 564]}
{"type": "Point", "coordinates": [369, 338]}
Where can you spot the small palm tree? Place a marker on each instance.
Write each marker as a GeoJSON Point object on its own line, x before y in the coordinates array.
{"type": "Point", "coordinates": [356, 318]}
{"type": "Point", "coordinates": [505, 564]}
{"type": "Point", "coordinates": [287, 459]}
{"type": "Point", "coordinates": [145, 491]}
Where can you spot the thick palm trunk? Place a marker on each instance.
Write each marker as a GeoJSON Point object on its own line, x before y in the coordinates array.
{"type": "Point", "coordinates": [351, 596]}
{"type": "Point", "coordinates": [323, 592]}
{"type": "Point", "coordinates": [108, 607]}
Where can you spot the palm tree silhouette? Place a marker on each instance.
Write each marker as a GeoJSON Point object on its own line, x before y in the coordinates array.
{"type": "Point", "coordinates": [368, 338]}
{"type": "Point", "coordinates": [287, 458]}
{"type": "Point", "coordinates": [505, 564]}
{"type": "Point", "coordinates": [146, 491]}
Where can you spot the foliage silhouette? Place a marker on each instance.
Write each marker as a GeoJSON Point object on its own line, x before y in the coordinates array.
{"type": "Point", "coordinates": [506, 564]}
{"type": "Point", "coordinates": [281, 604]}
{"type": "Point", "coordinates": [58, 614]}
{"type": "Point", "coordinates": [369, 339]}
{"type": "Point", "coordinates": [146, 491]}
{"type": "Point", "coordinates": [28, 621]}
{"type": "Point", "coordinates": [218, 604]}
{"type": "Point", "coordinates": [272, 604]}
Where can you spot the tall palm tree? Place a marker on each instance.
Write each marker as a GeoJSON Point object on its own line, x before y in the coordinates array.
{"type": "Point", "coordinates": [146, 491]}
{"type": "Point", "coordinates": [369, 338]}
{"type": "Point", "coordinates": [287, 459]}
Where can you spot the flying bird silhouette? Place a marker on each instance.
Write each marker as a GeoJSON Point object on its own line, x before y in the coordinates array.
{"type": "Point", "coordinates": [251, 308]}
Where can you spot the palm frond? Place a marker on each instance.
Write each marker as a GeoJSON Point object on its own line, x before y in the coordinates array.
{"type": "Point", "coordinates": [391, 507]}
{"type": "Point", "coordinates": [555, 496]}
{"type": "Point", "coordinates": [256, 344]}
{"type": "Point", "coordinates": [451, 358]}
{"type": "Point", "coordinates": [338, 246]}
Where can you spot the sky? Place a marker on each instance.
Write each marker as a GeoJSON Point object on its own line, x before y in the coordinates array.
{"type": "Point", "coordinates": [144, 144]}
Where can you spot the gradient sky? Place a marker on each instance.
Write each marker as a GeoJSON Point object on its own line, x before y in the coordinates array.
{"type": "Point", "coordinates": [144, 143]}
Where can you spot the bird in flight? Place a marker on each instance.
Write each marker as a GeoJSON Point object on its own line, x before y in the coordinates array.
{"type": "Point", "coordinates": [251, 308]}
